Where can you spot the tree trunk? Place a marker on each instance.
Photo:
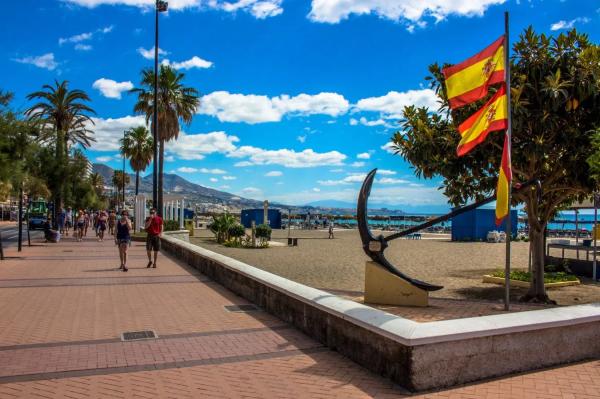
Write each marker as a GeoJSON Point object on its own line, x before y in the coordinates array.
{"type": "Point", "coordinates": [537, 290]}
{"type": "Point", "coordinates": [161, 159]}
{"type": "Point", "coordinates": [137, 182]}
{"type": "Point", "coordinates": [59, 176]}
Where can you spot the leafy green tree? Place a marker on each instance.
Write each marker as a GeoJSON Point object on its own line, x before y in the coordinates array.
{"type": "Point", "coordinates": [176, 102]}
{"type": "Point", "coordinates": [97, 182]}
{"type": "Point", "coordinates": [137, 146]}
{"type": "Point", "coordinates": [221, 225]}
{"type": "Point", "coordinates": [117, 181]}
{"type": "Point", "coordinates": [555, 99]}
{"type": "Point", "coordinates": [63, 116]}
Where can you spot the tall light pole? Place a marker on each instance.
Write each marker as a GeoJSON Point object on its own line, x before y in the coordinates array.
{"type": "Point", "coordinates": [161, 6]}
{"type": "Point", "coordinates": [123, 176]}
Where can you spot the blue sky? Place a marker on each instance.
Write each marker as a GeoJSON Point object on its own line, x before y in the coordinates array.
{"type": "Point", "coordinates": [299, 97]}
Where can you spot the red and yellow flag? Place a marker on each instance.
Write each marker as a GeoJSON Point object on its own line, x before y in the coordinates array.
{"type": "Point", "coordinates": [491, 117]}
{"type": "Point", "coordinates": [504, 182]}
{"type": "Point", "coordinates": [468, 81]}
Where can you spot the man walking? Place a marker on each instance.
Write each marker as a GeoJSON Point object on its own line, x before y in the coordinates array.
{"type": "Point", "coordinates": [153, 227]}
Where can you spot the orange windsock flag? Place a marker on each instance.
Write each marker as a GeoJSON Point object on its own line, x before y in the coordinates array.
{"type": "Point", "coordinates": [491, 117]}
{"type": "Point", "coordinates": [504, 181]}
{"type": "Point", "coordinates": [469, 81]}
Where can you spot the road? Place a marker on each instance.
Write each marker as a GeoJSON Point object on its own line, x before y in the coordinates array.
{"type": "Point", "coordinates": [10, 234]}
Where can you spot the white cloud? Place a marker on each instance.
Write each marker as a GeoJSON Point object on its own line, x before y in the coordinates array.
{"type": "Point", "coordinates": [196, 146]}
{"type": "Point", "coordinates": [258, 8]}
{"type": "Point", "coordinates": [372, 123]}
{"type": "Point", "coordinates": [243, 164]}
{"type": "Point", "coordinates": [357, 164]}
{"type": "Point", "coordinates": [350, 179]}
{"type": "Point", "coordinates": [562, 24]}
{"type": "Point", "coordinates": [386, 195]}
{"type": "Point", "coordinates": [76, 38]}
{"type": "Point", "coordinates": [261, 9]}
{"type": "Point", "coordinates": [389, 147]}
{"type": "Point", "coordinates": [83, 47]}
{"type": "Point", "coordinates": [110, 88]}
{"type": "Point", "coordinates": [45, 61]}
{"type": "Point", "coordinates": [185, 169]}
{"type": "Point", "coordinates": [229, 177]}
{"type": "Point", "coordinates": [354, 178]}
{"type": "Point", "coordinates": [82, 37]}
{"type": "Point", "coordinates": [252, 192]}
{"type": "Point", "coordinates": [251, 108]}
{"type": "Point", "coordinates": [214, 179]}
{"type": "Point", "coordinates": [408, 11]}
{"type": "Point", "coordinates": [316, 189]}
{"type": "Point", "coordinates": [301, 139]}
{"type": "Point", "coordinates": [108, 132]}
{"type": "Point", "coordinates": [288, 158]}
{"type": "Point", "coordinates": [194, 62]}
{"type": "Point", "coordinates": [391, 180]}
{"type": "Point", "coordinates": [338, 170]}
{"type": "Point", "coordinates": [385, 172]}
{"type": "Point", "coordinates": [149, 54]}
{"type": "Point", "coordinates": [392, 104]}
{"type": "Point", "coordinates": [363, 155]}
{"type": "Point", "coordinates": [108, 158]}
{"type": "Point", "coordinates": [225, 187]}
{"type": "Point", "coordinates": [274, 173]}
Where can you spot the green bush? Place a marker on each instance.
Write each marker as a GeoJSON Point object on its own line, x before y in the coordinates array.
{"type": "Point", "coordinates": [550, 277]}
{"type": "Point", "coordinates": [263, 231]}
{"type": "Point", "coordinates": [221, 225]}
{"type": "Point", "coordinates": [237, 230]}
{"type": "Point", "coordinates": [171, 225]}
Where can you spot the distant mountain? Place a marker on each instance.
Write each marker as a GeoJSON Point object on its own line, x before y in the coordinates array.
{"type": "Point", "coordinates": [175, 184]}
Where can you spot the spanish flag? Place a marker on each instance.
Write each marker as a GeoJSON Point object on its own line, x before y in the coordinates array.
{"type": "Point", "coordinates": [468, 81]}
{"type": "Point", "coordinates": [504, 181]}
{"type": "Point", "coordinates": [492, 116]}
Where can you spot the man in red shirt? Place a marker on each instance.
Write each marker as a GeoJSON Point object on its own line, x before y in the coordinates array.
{"type": "Point", "coordinates": [154, 228]}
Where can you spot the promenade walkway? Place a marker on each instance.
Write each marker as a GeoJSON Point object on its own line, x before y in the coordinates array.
{"type": "Point", "coordinates": [63, 308]}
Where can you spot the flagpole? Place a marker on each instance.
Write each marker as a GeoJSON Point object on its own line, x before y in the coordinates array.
{"type": "Point", "coordinates": [509, 148]}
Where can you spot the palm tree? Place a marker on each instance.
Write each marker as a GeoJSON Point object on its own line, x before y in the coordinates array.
{"type": "Point", "coordinates": [97, 182]}
{"type": "Point", "coordinates": [175, 102]}
{"type": "Point", "coordinates": [137, 146]}
{"type": "Point", "coordinates": [117, 180]}
{"type": "Point", "coordinates": [63, 115]}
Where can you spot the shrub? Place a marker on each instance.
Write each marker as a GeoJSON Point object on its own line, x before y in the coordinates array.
{"type": "Point", "coordinates": [221, 225]}
{"type": "Point", "coordinates": [522, 275]}
{"type": "Point", "coordinates": [171, 225]}
{"type": "Point", "coordinates": [236, 232]}
{"type": "Point", "coordinates": [263, 231]}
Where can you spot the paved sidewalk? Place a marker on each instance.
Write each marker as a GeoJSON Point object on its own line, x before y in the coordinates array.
{"type": "Point", "coordinates": [63, 308]}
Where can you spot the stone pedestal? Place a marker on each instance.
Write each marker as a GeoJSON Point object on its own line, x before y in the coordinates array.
{"type": "Point", "coordinates": [385, 288]}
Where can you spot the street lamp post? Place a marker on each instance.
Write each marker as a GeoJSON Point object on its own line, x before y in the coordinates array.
{"type": "Point", "coordinates": [123, 176]}
{"type": "Point", "coordinates": [161, 6]}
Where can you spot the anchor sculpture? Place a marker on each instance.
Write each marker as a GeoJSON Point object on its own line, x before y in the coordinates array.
{"type": "Point", "coordinates": [375, 247]}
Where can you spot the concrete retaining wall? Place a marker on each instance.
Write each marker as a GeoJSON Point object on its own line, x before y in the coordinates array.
{"type": "Point", "coordinates": [418, 356]}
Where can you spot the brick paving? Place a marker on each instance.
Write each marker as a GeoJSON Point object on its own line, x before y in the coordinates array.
{"type": "Point", "coordinates": [64, 307]}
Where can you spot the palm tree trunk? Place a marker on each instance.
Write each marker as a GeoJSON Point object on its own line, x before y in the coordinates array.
{"type": "Point", "coordinates": [137, 182]}
{"type": "Point", "coordinates": [161, 159]}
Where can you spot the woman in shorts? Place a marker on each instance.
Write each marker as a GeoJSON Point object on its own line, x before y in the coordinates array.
{"type": "Point", "coordinates": [123, 239]}
{"type": "Point", "coordinates": [80, 225]}
{"type": "Point", "coordinates": [102, 222]}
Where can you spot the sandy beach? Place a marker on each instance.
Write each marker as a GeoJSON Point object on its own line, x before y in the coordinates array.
{"type": "Point", "coordinates": [337, 265]}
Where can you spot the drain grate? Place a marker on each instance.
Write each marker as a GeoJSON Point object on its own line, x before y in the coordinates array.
{"type": "Point", "coordinates": [138, 335]}
{"type": "Point", "coordinates": [241, 308]}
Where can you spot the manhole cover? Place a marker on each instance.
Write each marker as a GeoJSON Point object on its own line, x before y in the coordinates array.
{"type": "Point", "coordinates": [138, 335]}
{"type": "Point", "coordinates": [241, 308]}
